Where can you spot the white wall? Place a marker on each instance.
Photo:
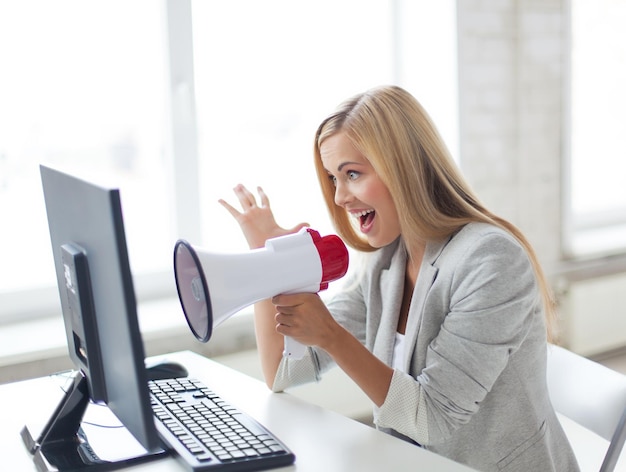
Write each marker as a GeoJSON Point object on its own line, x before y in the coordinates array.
{"type": "Point", "coordinates": [595, 315]}
{"type": "Point", "coordinates": [513, 102]}
{"type": "Point", "coordinates": [511, 61]}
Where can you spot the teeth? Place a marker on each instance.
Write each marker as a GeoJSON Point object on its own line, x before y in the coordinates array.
{"type": "Point", "coordinates": [362, 213]}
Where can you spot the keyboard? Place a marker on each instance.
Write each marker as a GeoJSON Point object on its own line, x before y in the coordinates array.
{"type": "Point", "coordinates": [208, 434]}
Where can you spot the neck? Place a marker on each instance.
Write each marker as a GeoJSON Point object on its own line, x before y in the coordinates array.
{"type": "Point", "coordinates": [415, 254]}
{"type": "Point", "coordinates": [414, 262]}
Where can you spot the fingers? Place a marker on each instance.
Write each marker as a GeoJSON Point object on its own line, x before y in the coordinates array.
{"type": "Point", "coordinates": [257, 222]}
{"type": "Point", "coordinates": [287, 302]}
{"type": "Point", "coordinates": [265, 202]}
{"type": "Point", "coordinates": [286, 306]}
{"type": "Point", "coordinates": [285, 320]}
{"type": "Point", "coordinates": [246, 198]}
{"type": "Point", "coordinates": [232, 210]}
{"type": "Point", "coordinates": [301, 317]}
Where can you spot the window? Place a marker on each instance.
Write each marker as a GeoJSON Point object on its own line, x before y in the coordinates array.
{"type": "Point", "coordinates": [596, 220]}
{"type": "Point", "coordinates": [105, 95]}
{"type": "Point", "coordinates": [84, 92]}
{"type": "Point", "coordinates": [268, 72]}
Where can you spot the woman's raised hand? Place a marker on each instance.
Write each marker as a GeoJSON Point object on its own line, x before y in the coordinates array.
{"type": "Point", "coordinates": [256, 222]}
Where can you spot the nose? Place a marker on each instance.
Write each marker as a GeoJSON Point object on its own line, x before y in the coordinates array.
{"type": "Point", "coordinates": [342, 194]}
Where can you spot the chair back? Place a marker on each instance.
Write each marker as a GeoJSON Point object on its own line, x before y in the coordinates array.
{"type": "Point", "coordinates": [590, 394]}
{"type": "Point", "coordinates": [615, 447]}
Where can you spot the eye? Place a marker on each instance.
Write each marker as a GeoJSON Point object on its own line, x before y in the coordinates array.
{"type": "Point", "coordinates": [333, 179]}
{"type": "Point", "coordinates": [353, 174]}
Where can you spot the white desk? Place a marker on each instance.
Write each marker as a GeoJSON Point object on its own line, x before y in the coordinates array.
{"type": "Point", "coordinates": [321, 440]}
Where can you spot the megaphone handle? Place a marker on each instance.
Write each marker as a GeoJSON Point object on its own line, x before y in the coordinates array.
{"type": "Point", "coordinates": [293, 349]}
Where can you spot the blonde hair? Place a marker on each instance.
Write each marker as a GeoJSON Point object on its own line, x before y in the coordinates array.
{"type": "Point", "coordinates": [394, 132]}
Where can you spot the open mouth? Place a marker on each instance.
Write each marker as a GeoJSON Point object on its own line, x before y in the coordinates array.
{"type": "Point", "coordinates": [366, 219]}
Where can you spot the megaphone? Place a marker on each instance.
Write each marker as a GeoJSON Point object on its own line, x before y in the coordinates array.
{"type": "Point", "coordinates": [214, 286]}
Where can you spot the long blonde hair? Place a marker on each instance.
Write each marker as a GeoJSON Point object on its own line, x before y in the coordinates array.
{"type": "Point", "coordinates": [394, 132]}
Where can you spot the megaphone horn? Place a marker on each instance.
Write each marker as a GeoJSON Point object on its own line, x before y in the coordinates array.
{"type": "Point", "coordinates": [214, 286]}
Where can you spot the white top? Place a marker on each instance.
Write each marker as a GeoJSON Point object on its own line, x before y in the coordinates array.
{"type": "Point", "coordinates": [398, 353]}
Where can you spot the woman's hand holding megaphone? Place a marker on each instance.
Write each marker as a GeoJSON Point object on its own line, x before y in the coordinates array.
{"type": "Point", "coordinates": [304, 317]}
{"type": "Point", "coordinates": [257, 222]}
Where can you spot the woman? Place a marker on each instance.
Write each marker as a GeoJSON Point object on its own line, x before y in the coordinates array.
{"type": "Point", "coordinates": [445, 326]}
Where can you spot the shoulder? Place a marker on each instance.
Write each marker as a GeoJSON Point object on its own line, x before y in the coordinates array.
{"type": "Point", "coordinates": [472, 233]}
{"type": "Point", "coordinates": [482, 250]}
{"type": "Point", "coordinates": [481, 239]}
{"type": "Point", "coordinates": [485, 270]}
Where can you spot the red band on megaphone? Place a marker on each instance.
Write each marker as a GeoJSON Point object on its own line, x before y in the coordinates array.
{"type": "Point", "coordinates": [333, 255]}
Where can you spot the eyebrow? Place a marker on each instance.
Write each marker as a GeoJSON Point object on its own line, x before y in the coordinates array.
{"type": "Point", "coordinates": [347, 163]}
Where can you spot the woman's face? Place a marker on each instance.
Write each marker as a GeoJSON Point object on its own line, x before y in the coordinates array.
{"type": "Point", "coordinates": [360, 191]}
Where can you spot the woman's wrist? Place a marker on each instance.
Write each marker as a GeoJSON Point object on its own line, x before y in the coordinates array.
{"type": "Point", "coordinates": [338, 339]}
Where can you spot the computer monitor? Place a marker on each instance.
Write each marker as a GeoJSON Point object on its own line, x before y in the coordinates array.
{"type": "Point", "coordinates": [100, 315]}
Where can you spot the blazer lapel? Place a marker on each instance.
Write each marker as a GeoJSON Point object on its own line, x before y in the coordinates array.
{"type": "Point", "coordinates": [391, 289]}
{"type": "Point", "coordinates": [425, 279]}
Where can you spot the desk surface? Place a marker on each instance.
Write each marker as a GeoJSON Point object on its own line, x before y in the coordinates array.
{"type": "Point", "coordinates": [321, 439]}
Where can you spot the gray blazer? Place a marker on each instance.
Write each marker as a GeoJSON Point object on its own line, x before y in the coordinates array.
{"type": "Point", "coordinates": [473, 387]}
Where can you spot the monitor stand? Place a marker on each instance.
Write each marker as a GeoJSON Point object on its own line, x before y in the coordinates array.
{"type": "Point", "coordinates": [63, 443]}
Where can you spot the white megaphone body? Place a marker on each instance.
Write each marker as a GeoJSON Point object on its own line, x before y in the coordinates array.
{"type": "Point", "coordinates": [213, 286]}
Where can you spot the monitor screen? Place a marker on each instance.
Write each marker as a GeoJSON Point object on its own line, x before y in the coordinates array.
{"type": "Point", "coordinates": [98, 299]}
